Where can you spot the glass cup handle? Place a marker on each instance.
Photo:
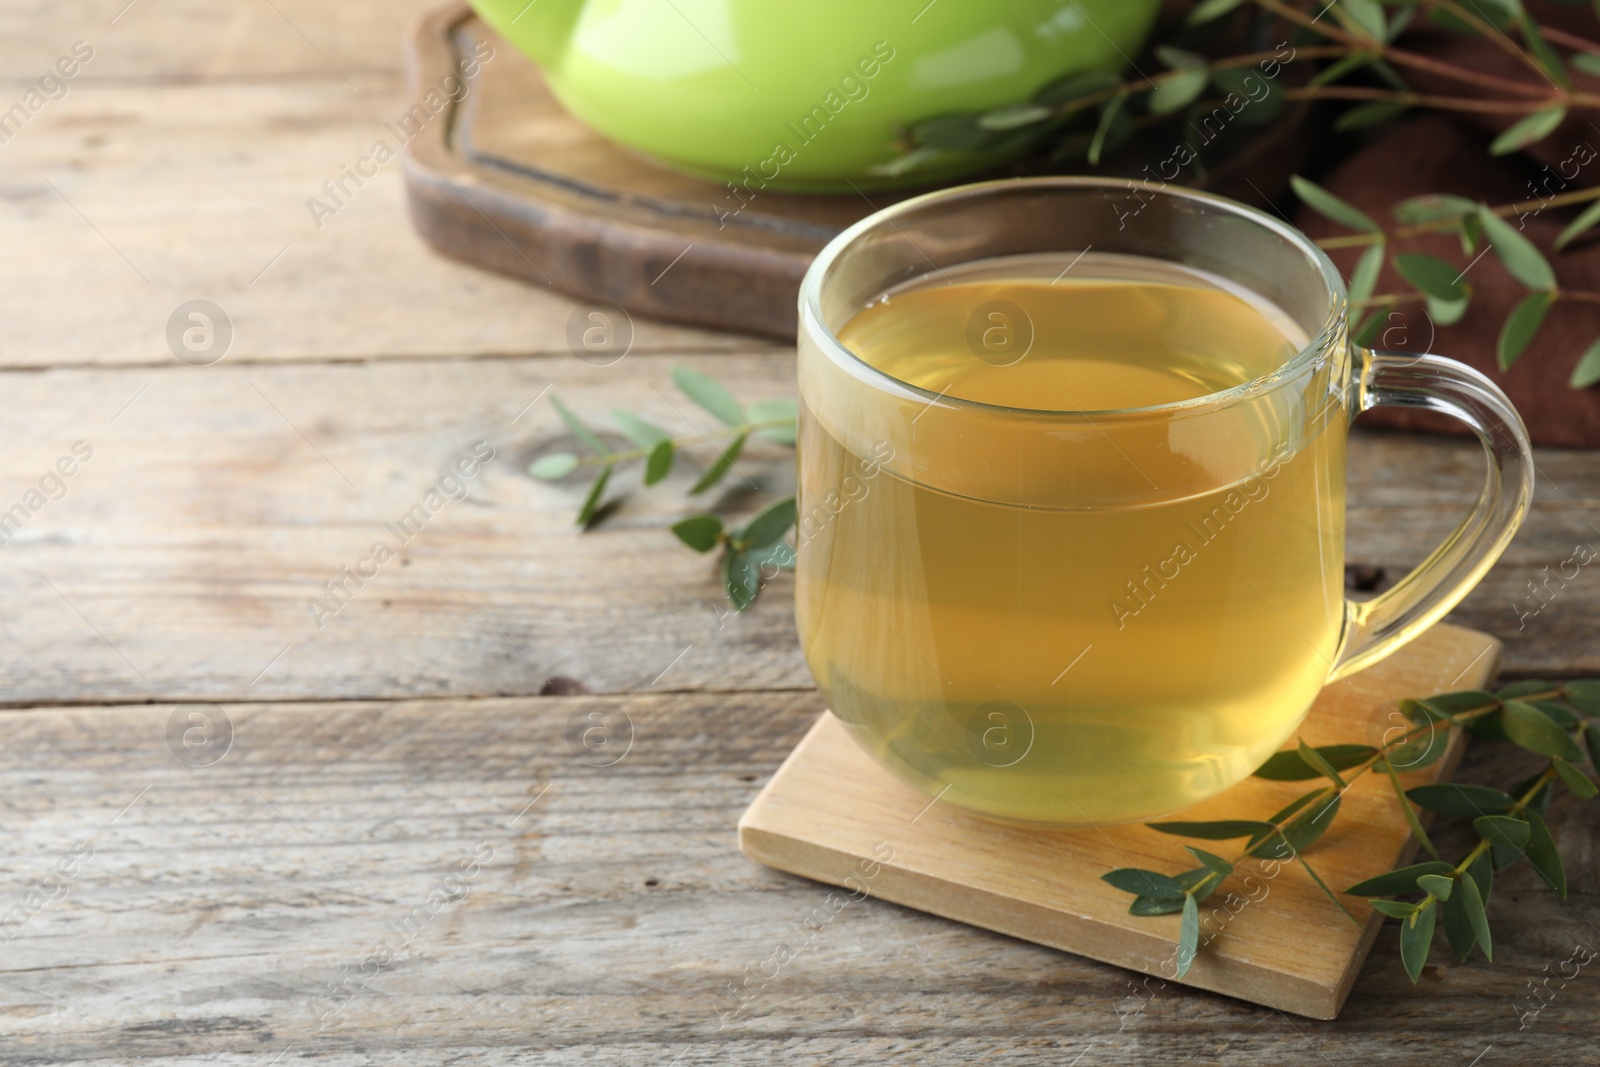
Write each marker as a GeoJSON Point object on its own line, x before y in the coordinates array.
{"type": "Point", "coordinates": [1376, 627]}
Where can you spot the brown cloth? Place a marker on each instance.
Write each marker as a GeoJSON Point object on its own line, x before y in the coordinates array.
{"type": "Point", "coordinates": [1449, 153]}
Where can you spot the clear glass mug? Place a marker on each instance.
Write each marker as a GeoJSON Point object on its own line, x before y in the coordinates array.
{"type": "Point", "coordinates": [1072, 617]}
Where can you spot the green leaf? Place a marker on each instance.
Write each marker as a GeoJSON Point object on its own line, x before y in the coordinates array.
{"type": "Point", "coordinates": [1143, 883]}
{"type": "Point", "coordinates": [1210, 9]}
{"type": "Point", "coordinates": [1580, 225]}
{"type": "Point", "coordinates": [1102, 132]}
{"type": "Point", "coordinates": [1340, 67]}
{"type": "Point", "coordinates": [1394, 883]}
{"type": "Point", "coordinates": [1247, 84]}
{"type": "Point", "coordinates": [1447, 312]}
{"type": "Point", "coordinates": [1525, 262]}
{"type": "Point", "coordinates": [1457, 927]}
{"type": "Point", "coordinates": [1188, 935]}
{"type": "Point", "coordinates": [1520, 326]}
{"type": "Point", "coordinates": [775, 411]}
{"type": "Point", "coordinates": [1548, 58]}
{"type": "Point", "coordinates": [1177, 91]}
{"type": "Point", "coordinates": [771, 523]}
{"type": "Point", "coordinates": [1476, 915]}
{"type": "Point", "coordinates": [724, 462]}
{"type": "Point", "coordinates": [905, 163]}
{"type": "Point", "coordinates": [1431, 275]}
{"type": "Point", "coordinates": [1367, 17]}
{"type": "Point", "coordinates": [1503, 830]}
{"type": "Point", "coordinates": [1525, 688]}
{"type": "Point", "coordinates": [1558, 714]}
{"type": "Point", "coordinates": [699, 532]}
{"type": "Point", "coordinates": [779, 554]}
{"type": "Point", "coordinates": [1013, 116]}
{"type": "Point", "coordinates": [1587, 372]}
{"type": "Point", "coordinates": [1297, 804]}
{"type": "Point", "coordinates": [1583, 695]}
{"type": "Point", "coordinates": [658, 463]}
{"type": "Point", "coordinates": [1528, 130]}
{"type": "Point", "coordinates": [1410, 813]}
{"type": "Point", "coordinates": [1291, 766]}
{"type": "Point", "coordinates": [948, 133]}
{"type": "Point", "coordinates": [1302, 832]}
{"type": "Point", "coordinates": [1372, 113]}
{"type": "Point", "coordinates": [579, 430]}
{"type": "Point", "coordinates": [1456, 801]}
{"type": "Point", "coordinates": [1370, 328]}
{"type": "Point", "coordinates": [554, 466]}
{"type": "Point", "coordinates": [1329, 206]}
{"type": "Point", "coordinates": [1456, 703]}
{"type": "Point", "coordinates": [1576, 780]}
{"type": "Point", "coordinates": [1075, 87]}
{"type": "Point", "coordinates": [1315, 760]}
{"type": "Point", "coordinates": [1527, 726]}
{"type": "Point", "coordinates": [1416, 940]}
{"type": "Point", "coordinates": [1365, 277]}
{"type": "Point", "coordinates": [1191, 882]}
{"type": "Point", "coordinates": [1437, 886]}
{"type": "Point", "coordinates": [638, 430]}
{"type": "Point", "coordinates": [1591, 737]}
{"type": "Point", "coordinates": [709, 394]}
{"type": "Point", "coordinates": [1395, 909]}
{"type": "Point", "coordinates": [591, 503]}
{"type": "Point", "coordinates": [1544, 855]}
{"type": "Point", "coordinates": [740, 579]}
{"type": "Point", "coordinates": [1212, 861]}
{"type": "Point", "coordinates": [1587, 62]}
{"type": "Point", "coordinates": [1435, 207]}
{"type": "Point", "coordinates": [1222, 830]}
{"type": "Point", "coordinates": [1145, 906]}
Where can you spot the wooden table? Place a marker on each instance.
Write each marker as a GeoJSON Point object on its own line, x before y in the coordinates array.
{"type": "Point", "coordinates": [402, 856]}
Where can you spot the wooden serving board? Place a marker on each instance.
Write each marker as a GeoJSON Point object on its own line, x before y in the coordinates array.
{"type": "Point", "coordinates": [832, 814]}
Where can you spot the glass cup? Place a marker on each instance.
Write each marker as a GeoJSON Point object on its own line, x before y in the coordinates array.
{"type": "Point", "coordinates": [1093, 616]}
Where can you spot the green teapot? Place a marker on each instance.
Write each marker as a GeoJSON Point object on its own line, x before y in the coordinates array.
{"type": "Point", "coordinates": [808, 97]}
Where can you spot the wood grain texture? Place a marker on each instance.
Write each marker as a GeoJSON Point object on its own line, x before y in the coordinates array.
{"type": "Point", "coordinates": [833, 814]}
{"type": "Point", "coordinates": [612, 918]}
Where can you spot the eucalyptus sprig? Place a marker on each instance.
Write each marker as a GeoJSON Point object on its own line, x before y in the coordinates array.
{"type": "Point", "coordinates": [749, 550]}
{"type": "Point", "coordinates": [1558, 722]}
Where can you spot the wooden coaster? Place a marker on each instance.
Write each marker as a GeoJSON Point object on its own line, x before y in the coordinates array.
{"type": "Point", "coordinates": [832, 814]}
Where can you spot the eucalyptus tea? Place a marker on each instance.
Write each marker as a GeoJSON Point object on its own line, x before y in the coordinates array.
{"type": "Point", "coordinates": [1107, 639]}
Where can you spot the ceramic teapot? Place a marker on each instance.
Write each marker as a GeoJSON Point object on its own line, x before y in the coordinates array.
{"type": "Point", "coordinates": [813, 96]}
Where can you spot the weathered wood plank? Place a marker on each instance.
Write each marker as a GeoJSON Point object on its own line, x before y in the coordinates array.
{"type": "Point", "coordinates": [124, 203]}
{"type": "Point", "coordinates": [610, 919]}
{"type": "Point", "coordinates": [194, 538]}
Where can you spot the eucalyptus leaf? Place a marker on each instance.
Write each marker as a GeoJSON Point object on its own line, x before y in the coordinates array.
{"type": "Point", "coordinates": [1075, 87]}
{"type": "Point", "coordinates": [659, 462]}
{"type": "Point", "coordinates": [1110, 112]}
{"type": "Point", "coordinates": [1315, 760]}
{"type": "Point", "coordinates": [1525, 262]}
{"type": "Point", "coordinates": [1457, 927]}
{"type": "Point", "coordinates": [1291, 766]}
{"type": "Point", "coordinates": [779, 554]}
{"type": "Point", "coordinates": [1394, 883]}
{"type": "Point", "coordinates": [1447, 312]}
{"type": "Point", "coordinates": [956, 132]}
{"type": "Point", "coordinates": [1504, 830]}
{"type": "Point", "coordinates": [1211, 861]}
{"type": "Point", "coordinates": [740, 579]}
{"type": "Point", "coordinates": [775, 411]}
{"type": "Point", "coordinates": [1528, 130]}
{"type": "Point", "coordinates": [1544, 855]}
{"type": "Point", "coordinates": [1370, 328]}
{"type": "Point", "coordinates": [1591, 738]}
{"type": "Point", "coordinates": [724, 462]}
{"type": "Point", "coordinates": [1580, 784]}
{"type": "Point", "coordinates": [553, 466]}
{"type": "Point", "coordinates": [1580, 225]}
{"type": "Point", "coordinates": [1331, 207]}
{"type": "Point", "coordinates": [1372, 113]}
{"type": "Point", "coordinates": [591, 503]}
{"type": "Point", "coordinates": [699, 532]}
{"type": "Point", "coordinates": [1520, 326]}
{"type": "Point", "coordinates": [1431, 275]}
{"type": "Point", "coordinates": [1340, 67]}
{"type": "Point", "coordinates": [1587, 62]}
{"type": "Point", "coordinates": [1221, 830]}
{"type": "Point", "coordinates": [1211, 9]}
{"type": "Point", "coordinates": [1365, 277]}
{"type": "Point", "coordinates": [1143, 883]}
{"type": "Point", "coordinates": [1188, 935]}
{"type": "Point", "coordinates": [1367, 17]}
{"type": "Point", "coordinates": [1247, 84]}
{"type": "Point", "coordinates": [1584, 695]}
{"type": "Point", "coordinates": [1177, 91]}
{"type": "Point", "coordinates": [771, 523]}
{"type": "Point", "coordinates": [579, 430]}
{"type": "Point", "coordinates": [1548, 57]}
{"type": "Point", "coordinates": [1416, 939]}
{"type": "Point", "coordinates": [1199, 883]}
{"type": "Point", "coordinates": [1477, 915]}
{"type": "Point", "coordinates": [1527, 726]}
{"type": "Point", "coordinates": [1587, 371]}
{"type": "Point", "coordinates": [637, 430]}
{"type": "Point", "coordinates": [1455, 703]}
{"type": "Point", "coordinates": [709, 394]}
{"type": "Point", "coordinates": [1013, 116]}
{"type": "Point", "coordinates": [1434, 207]}
{"type": "Point", "coordinates": [1438, 886]}
{"type": "Point", "coordinates": [1395, 909]}
{"type": "Point", "coordinates": [1410, 813]}
{"type": "Point", "coordinates": [1559, 714]}
{"type": "Point", "coordinates": [1526, 687]}
{"type": "Point", "coordinates": [1457, 801]}
{"type": "Point", "coordinates": [906, 162]}
{"type": "Point", "coordinates": [1145, 906]}
{"type": "Point", "coordinates": [1302, 831]}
